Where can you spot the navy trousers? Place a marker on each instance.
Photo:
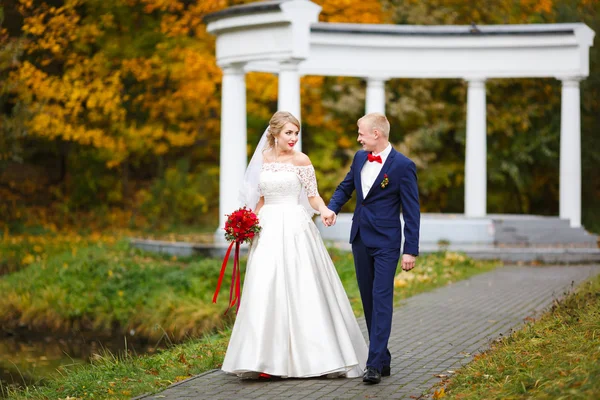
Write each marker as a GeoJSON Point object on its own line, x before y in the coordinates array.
{"type": "Point", "coordinates": [375, 272]}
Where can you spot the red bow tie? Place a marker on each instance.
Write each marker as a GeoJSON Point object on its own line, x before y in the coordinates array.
{"type": "Point", "coordinates": [372, 158]}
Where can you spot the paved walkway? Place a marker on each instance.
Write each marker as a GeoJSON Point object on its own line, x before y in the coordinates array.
{"type": "Point", "coordinates": [432, 333]}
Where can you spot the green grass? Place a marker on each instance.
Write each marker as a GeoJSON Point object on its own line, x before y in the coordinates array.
{"type": "Point", "coordinates": [121, 377]}
{"type": "Point", "coordinates": [17, 252]}
{"type": "Point", "coordinates": [112, 289]}
{"type": "Point", "coordinates": [556, 357]}
{"type": "Point", "coordinates": [101, 287]}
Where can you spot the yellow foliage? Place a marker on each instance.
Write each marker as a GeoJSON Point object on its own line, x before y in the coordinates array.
{"type": "Point", "coordinates": [400, 283]}
{"type": "Point", "coordinates": [87, 101]}
{"type": "Point", "coordinates": [452, 258]}
{"type": "Point", "coordinates": [53, 28]}
{"type": "Point", "coordinates": [539, 6]}
{"type": "Point", "coordinates": [171, 98]}
{"type": "Point", "coordinates": [352, 11]}
{"type": "Point", "coordinates": [440, 393]}
{"type": "Point", "coordinates": [28, 259]}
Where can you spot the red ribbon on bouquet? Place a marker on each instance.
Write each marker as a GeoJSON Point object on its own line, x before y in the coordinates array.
{"type": "Point", "coordinates": [241, 226]}
{"type": "Point", "coordinates": [235, 277]}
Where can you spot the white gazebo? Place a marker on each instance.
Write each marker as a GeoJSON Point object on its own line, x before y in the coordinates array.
{"type": "Point", "coordinates": [285, 37]}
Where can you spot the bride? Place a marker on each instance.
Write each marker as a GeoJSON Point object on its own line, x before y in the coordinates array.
{"type": "Point", "coordinates": [294, 319]}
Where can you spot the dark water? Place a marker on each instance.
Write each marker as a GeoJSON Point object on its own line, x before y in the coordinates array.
{"type": "Point", "coordinates": [28, 359]}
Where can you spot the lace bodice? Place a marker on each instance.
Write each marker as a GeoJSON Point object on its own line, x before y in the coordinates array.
{"type": "Point", "coordinates": [283, 182]}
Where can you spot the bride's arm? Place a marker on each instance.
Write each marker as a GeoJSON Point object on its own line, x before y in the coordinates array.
{"type": "Point", "coordinates": [259, 205]}
{"type": "Point", "coordinates": [310, 184]}
{"type": "Point", "coordinates": [318, 203]}
{"type": "Point", "coordinates": [327, 216]}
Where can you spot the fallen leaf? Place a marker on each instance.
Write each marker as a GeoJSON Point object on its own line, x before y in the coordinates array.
{"type": "Point", "coordinates": [182, 358]}
{"type": "Point", "coordinates": [398, 282]}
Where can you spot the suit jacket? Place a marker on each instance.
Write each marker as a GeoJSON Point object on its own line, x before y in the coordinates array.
{"type": "Point", "coordinates": [377, 216]}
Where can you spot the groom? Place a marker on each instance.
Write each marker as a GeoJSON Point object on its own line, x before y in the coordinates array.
{"type": "Point", "coordinates": [385, 182]}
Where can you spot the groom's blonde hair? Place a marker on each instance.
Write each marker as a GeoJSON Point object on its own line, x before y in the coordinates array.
{"type": "Point", "coordinates": [376, 121]}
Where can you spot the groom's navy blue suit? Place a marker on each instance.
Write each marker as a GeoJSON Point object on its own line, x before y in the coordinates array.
{"type": "Point", "coordinates": [376, 238]}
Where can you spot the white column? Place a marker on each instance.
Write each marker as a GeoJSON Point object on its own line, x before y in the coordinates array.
{"type": "Point", "coordinates": [375, 96]}
{"type": "Point", "coordinates": [288, 97]}
{"type": "Point", "coordinates": [233, 142]}
{"type": "Point", "coordinates": [476, 151]}
{"type": "Point", "coordinates": [570, 152]}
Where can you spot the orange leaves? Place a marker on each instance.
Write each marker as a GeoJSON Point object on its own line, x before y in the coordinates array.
{"type": "Point", "coordinates": [144, 88]}
{"type": "Point", "coordinates": [312, 92]}
{"type": "Point", "coordinates": [190, 18]}
{"type": "Point", "coordinates": [539, 6]}
{"type": "Point", "coordinates": [262, 94]}
{"type": "Point", "coordinates": [85, 92]}
{"type": "Point", "coordinates": [149, 97]}
{"type": "Point", "coordinates": [53, 28]}
{"type": "Point", "coordinates": [197, 75]}
{"type": "Point", "coordinates": [142, 69]}
{"type": "Point", "coordinates": [162, 5]}
{"type": "Point", "coordinates": [178, 89]}
{"type": "Point", "coordinates": [352, 11]}
{"type": "Point", "coordinates": [26, 4]}
{"type": "Point", "coordinates": [149, 102]}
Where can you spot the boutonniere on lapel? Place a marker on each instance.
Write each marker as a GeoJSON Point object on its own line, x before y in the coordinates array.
{"type": "Point", "coordinates": [385, 181]}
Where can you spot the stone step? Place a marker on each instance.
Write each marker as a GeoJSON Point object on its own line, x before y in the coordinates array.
{"type": "Point", "coordinates": [564, 239]}
{"type": "Point", "coordinates": [547, 255]}
{"type": "Point", "coordinates": [183, 249]}
{"type": "Point", "coordinates": [541, 230]}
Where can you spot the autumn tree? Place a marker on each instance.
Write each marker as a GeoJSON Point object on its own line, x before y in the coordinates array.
{"type": "Point", "coordinates": [113, 96]}
{"type": "Point", "coordinates": [114, 86]}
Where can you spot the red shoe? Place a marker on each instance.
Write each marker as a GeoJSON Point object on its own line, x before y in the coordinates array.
{"type": "Point", "coordinates": [264, 376]}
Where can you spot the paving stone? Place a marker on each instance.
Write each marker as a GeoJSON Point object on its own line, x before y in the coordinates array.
{"type": "Point", "coordinates": [431, 333]}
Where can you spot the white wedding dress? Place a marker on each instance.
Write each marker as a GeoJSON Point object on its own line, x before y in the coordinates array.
{"type": "Point", "coordinates": [295, 319]}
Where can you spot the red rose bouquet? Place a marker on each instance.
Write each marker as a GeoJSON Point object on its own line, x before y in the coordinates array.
{"type": "Point", "coordinates": [241, 226]}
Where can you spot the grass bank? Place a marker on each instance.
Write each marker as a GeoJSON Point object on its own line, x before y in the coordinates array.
{"type": "Point", "coordinates": [17, 252]}
{"type": "Point", "coordinates": [122, 377]}
{"type": "Point", "coordinates": [556, 357]}
{"type": "Point", "coordinates": [110, 289]}
{"type": "Point", "coordinates": [106, 285]}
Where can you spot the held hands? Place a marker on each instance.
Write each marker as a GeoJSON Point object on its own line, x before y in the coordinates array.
{"type": "Point", "coordinates": [408, 262]}
{"type": "Point", "coordinates": [328, 217]}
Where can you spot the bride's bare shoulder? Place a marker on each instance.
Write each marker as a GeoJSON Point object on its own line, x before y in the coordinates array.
{"type": "Point", "coordinates": [268, 156]}
{"type": "Point", "coordinates": [301, 159]}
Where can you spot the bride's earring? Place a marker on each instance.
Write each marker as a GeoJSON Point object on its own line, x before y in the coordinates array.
{"type": "Point", "coordinates": [275, 142]}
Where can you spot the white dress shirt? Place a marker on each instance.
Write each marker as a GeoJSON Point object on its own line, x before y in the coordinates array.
{"type": "Point", "coordinates": [371, 169]}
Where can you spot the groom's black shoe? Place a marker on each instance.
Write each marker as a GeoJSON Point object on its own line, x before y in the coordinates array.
{"type": "Point", "coordinates": [372, 375]}
{"type": "Point", "coordinates": [386, 370]}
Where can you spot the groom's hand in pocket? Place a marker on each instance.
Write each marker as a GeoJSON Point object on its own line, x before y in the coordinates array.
{"type": "Point", "coordinates": [408, 262]}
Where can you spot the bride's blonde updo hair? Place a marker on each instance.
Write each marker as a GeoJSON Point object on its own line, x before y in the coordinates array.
{"type": "Point", "coordinates": [278, 120]}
